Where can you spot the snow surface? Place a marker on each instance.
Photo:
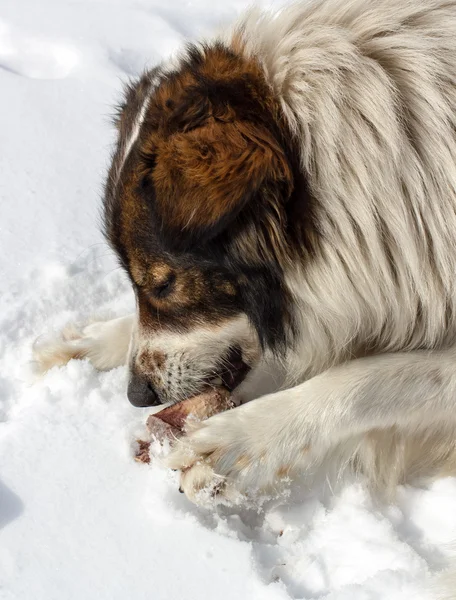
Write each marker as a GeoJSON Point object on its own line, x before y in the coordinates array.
{"type": "Point", "coordinates": [78, 517]}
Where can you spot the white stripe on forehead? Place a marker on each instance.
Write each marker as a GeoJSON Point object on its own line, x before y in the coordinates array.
{"type": "Point", "coordinates": [173, 64]}
{"type": "Point", "coordinates": [134, 133]}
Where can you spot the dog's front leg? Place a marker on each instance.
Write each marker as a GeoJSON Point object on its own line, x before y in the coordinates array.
{"type": "Point", "coordinates": [256, 445]}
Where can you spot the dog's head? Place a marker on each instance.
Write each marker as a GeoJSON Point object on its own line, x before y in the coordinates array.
{"type": "Point", "coordinates": [197, 209]}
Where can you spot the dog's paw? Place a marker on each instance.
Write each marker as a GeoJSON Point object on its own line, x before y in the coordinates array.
{"type": "Point", "coordinates": [231, 458]}
{"type": "Point", "coordinates": [57, 350]}
{"type": "Point", "coordinates": [104, 343]}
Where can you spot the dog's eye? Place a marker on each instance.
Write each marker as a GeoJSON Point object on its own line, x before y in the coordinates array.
{"type": "Point", "coordinates": [164, 289]}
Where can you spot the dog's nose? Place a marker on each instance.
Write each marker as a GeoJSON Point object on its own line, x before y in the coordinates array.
{"type": "Point", "coordinates": [141, 393]}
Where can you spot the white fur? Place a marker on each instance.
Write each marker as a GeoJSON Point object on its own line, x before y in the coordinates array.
{"type": "Point", "coordinates": [375, 115]}
{"type": "Point", "coordinates": [443, 586]}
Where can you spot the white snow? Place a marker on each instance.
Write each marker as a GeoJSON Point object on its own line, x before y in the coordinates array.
{"type": "Point", "coordinates": [78, 517]}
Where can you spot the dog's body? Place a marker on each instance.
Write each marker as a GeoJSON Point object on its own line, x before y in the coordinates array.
{"type": "Point", "coordinates": [286, 197]}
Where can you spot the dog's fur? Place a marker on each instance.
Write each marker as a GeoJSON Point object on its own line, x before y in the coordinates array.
{"type": "Point", "coordinates": [290, 190]}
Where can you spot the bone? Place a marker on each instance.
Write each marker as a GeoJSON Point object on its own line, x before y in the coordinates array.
{"type": "Point", "coordinates": [198, 408]}
{"type": "Point", "coordinates": [171, 422]}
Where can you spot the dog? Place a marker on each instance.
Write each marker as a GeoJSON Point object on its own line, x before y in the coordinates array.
{"type": "Point", "coordinates": [283, 199]}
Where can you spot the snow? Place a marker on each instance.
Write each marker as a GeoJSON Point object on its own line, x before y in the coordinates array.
{"type": "Point", "coordinates": [79, 518]}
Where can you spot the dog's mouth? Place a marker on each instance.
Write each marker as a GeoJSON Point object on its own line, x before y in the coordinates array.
{"type": "Point", "coordinates": [233, 371]}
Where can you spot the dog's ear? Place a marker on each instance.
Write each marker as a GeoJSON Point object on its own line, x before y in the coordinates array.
{"type": "Point", "coordinates": [204, 176]}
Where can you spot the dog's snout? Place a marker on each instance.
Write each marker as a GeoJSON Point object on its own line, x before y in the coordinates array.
{"type": "Point", "coordinates": [141, 393]}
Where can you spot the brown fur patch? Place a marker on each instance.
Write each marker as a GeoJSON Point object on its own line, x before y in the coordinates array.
{"type": "Point", "coordinates": [160, 272]}
{"type": "Point", "coordinates": [243, 462]}
{"type": "Point", "coordinates": [159, 359]}
{"type": "Point", "coordinates": [203, 175]}
{"type": "Point", "coordinates": [212, 140]}
{"type": "Point", "coordinates": [227, 287]}
{"type": "Point", "coordinates": [283, 471]}
{"type": "Point", "coordinates": [138, 271]}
